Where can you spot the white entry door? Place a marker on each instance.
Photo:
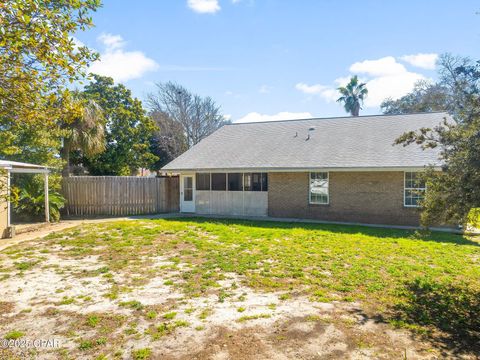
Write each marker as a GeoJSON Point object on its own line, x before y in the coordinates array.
{"type": "Point", "coordinates": [187, 193]}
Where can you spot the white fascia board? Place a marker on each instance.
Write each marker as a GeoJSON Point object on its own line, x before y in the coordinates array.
{"type": "Point", "coordinates": [29, 171]}
{"type": "Point", "coordinates": [324, 169]}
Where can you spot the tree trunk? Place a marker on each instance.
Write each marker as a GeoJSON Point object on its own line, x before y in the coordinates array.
{"type": "Point", "coordinates": [356, 110]}
{"type": "Point", "coordinates": [65, 154]}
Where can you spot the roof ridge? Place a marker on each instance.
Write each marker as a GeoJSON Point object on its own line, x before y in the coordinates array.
{"type": "Point", "coordinates": [337, 117]}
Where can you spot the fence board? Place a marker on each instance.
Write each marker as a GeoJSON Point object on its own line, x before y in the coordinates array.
{"type": "Point", "coordinates": [120, 195]}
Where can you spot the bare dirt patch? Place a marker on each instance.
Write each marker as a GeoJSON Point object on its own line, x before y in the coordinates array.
{"type": "Point", "coordinates": [247, 324]}
{"type": "Point", "coordinates": [103, 294]}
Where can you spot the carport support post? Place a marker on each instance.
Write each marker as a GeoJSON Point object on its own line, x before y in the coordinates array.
{"type": "Point", "coordinates": [47, 210]}
{"type": "Point", "coordinates": [9, 221]}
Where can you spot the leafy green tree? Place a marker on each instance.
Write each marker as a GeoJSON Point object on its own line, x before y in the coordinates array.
{"type": "Point", "coordinates": [353, 95]}
{"type": "Point", "coordinates": [455, 192]}
{"type": "Point", "coordinates": [38, 58]}
{"type": "Point", "coordinates": [454, 92]}
{"type": "Point", "coordinates": [127, 130]}
{"type": "Point", "coordinates": [425, 97]}
{"type": "Point", "coordinates": [83, 128]}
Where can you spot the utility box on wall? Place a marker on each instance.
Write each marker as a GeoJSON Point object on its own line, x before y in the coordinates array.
{"type": "Point", "coordinates": [9, 232]}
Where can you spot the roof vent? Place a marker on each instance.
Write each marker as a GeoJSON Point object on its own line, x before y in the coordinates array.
{"type": "Point", "coordinates": [308, 134]}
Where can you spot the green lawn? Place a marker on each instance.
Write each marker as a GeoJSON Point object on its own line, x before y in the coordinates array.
{"type": "Point", "coordinates": [427, 283]}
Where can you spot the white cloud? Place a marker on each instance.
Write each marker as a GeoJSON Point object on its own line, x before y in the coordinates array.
{"type": "Point", "coordinates": [120, 64]}
{"type": "Point", "coordinates": [326, 92]}
{"type": "Point", "coordinates": [284, 115]}
{"type": "Point", "coordinates": [111, 41]}
{"type": "Point", "coordinates": [310, 89]}
{"type": "Point", "coordinates": [424, 61]}
{"type": "Point", "coordinates": [248, 2]}
{"type": "Point", "coordinates": [204, 6]}
{"type": "Point", "coordinates": [76, 42]}
{"type": "Point", "coordinates": [381, 67]}
{"type": "Point", "coordinates": [385, 77]}
{"type": "Point", "coordinates": [264, 89]}
{"type": "Point", "coordinates": [394, 86]}
{"type": "Point", "coordinates": [342, 81]}
{"type": "Point", "coordinates": [330, 95]}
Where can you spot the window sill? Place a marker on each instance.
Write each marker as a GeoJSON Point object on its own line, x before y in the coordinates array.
{"type": "Point", "coordinates": [318, 205]}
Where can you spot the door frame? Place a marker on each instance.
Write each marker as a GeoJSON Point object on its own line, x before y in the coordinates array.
{"type": "Point", "coordinates": [187, 208]}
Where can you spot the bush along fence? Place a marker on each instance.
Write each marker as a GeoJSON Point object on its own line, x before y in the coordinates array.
{"type": "Point", "coordinates": [120, 195]}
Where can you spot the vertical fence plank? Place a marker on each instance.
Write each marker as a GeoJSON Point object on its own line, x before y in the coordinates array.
{"type": "Point", "coordinates": [120, 195]}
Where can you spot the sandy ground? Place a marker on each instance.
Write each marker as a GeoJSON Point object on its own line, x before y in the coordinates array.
{"type": "Point", "coordinates": [57, 299]}
{"type": "Point", "coordinates": [46, 229]}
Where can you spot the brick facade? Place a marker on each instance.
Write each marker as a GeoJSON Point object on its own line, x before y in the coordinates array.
{"type": "Point", "coordinates": [368, 197]}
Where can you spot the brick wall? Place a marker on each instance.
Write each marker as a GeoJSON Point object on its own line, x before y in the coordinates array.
{"type": "Point", "coordinates": [367, 197]}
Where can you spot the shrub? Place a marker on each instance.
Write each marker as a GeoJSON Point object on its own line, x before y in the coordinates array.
{"type": "Point", "coordinates": [31, 200]}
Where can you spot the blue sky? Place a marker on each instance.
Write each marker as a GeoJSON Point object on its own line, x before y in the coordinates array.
{"type": "Point", "coordinates": [272, 59]}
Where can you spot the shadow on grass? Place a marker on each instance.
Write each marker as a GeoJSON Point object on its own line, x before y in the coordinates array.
{"type": "Point", "coordinates": [436, 236]}
{"type": "Point", "coordinates": [447, 314]}
{"type": "Point", "coordinates": [451, 313]}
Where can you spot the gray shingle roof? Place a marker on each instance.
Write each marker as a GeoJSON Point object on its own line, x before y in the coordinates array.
{"type": "Point", "coordinates": [361, 142]}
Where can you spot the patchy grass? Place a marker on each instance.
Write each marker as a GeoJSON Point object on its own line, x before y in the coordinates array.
{"type": "Point", "coordinates": [165, 328]}
{"type": "Point", "coordinates": [142, 354]}
{"type": "Point", "coordinates": [254, 317]}
{"type": "Point", "coordinates": [205, 313]}
{"type": "Point", "coordinates": [427, 283]}
{"type": "Point", "coordinates": [93, 320]}
{"type": "Point", "coordinates": [66, 301]}
{"type": "Point", "coordinates": [25, 265]}
{"type": "Point", "coordinates": [151, 315]}
{"type": "Point", "coordinates": [133, 304]}
{"type": "Point", "coordinates": [14, 335]}
{"type": "Point", "coordinates": [170, 315]}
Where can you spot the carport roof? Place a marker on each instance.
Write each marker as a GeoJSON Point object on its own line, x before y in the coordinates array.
{"type": "Point", "coordinates": [15, 166]}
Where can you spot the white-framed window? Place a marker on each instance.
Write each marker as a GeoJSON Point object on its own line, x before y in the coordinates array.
{"type": "Point", "coordinates": [318, 192]}
{"type": "Point", "coordinates": [414, 189]}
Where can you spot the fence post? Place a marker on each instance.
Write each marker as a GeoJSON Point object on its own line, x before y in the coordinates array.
{"type": "Point", "coordinates": [119, 195]}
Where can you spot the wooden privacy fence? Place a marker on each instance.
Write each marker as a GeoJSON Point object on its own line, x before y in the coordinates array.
{"type": "Point", "coordinates": [120, 195]}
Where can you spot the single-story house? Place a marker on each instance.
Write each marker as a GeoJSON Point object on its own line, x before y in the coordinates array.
{"type": "Point", "coordinates": [7, 168]}
{"type": "Point", "coordinates": [344, 169]}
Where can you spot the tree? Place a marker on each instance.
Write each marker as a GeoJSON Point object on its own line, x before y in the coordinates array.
{"type": "Point", "coordinates": [453, 193]}
{"type": "Point", "coordinates": [38, 57]}
{"type": "Point", "coordinates": [353, 95]}
{"type": "Point", "coordinates": [83, 128]}
{"type": "Point", "coordinates": [127, 130]}
{"type": "Point", "coordinates": [425, 97]}
{"type": "Point", "coordinates": [168, 141]}
{"type": "Point", "coordinates": [455, 92]}
{"type": "Point", "coordinates": [38, 54]}
{"type": "Point", "coordinates": [198, 116]}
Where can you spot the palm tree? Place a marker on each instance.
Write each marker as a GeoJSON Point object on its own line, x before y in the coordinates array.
{"type": "Point", "coordinates": [84, 128]}
{"type": "Point", "coordinates": [353, 95]}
